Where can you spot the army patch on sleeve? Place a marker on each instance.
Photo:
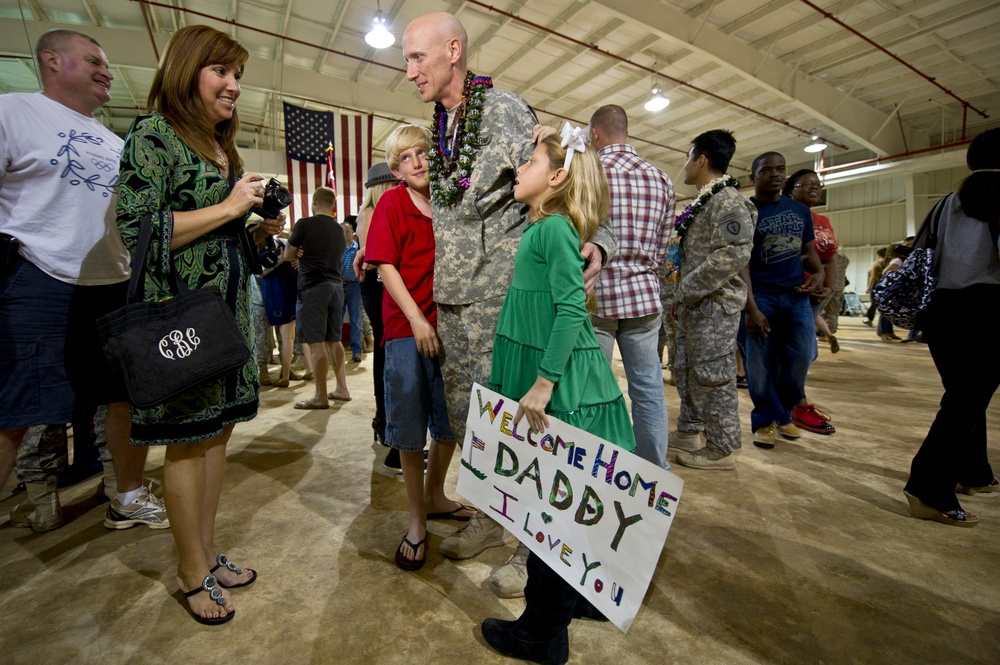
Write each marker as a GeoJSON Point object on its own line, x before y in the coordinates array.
{"type": "Point", "coordinates": [733, 227]}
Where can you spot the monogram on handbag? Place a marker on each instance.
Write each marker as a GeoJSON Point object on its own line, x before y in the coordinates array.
{"type": "Point", "coordinates": [162, 349]}
{"type": "Point", "coordinates": [903, 294]}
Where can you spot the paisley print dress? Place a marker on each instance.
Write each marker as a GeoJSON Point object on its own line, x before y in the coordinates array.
{"type": "Point", "coordinates": [160, 175]}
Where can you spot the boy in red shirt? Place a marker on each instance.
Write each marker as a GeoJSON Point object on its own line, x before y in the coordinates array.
{"type": "Point", "coordinates": [401, 244]}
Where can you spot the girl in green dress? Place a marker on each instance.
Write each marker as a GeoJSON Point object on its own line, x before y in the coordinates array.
{"type": "Point", "coordinates": [546, 356]}
{"type": "Point", "coordinates": [180, 168]}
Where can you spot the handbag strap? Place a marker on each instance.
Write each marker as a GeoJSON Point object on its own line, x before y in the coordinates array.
{"type": "Point", "coordinates": [927, 235]}
{"type": "Point", "coordinates": [140, 265]}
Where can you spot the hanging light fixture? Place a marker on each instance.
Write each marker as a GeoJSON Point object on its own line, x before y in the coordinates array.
{"type": "Point", "coordinates": [379, 36]}
{"type": "Point", "coordinates": [656, 101]}
{"type": "Point", "coordinates": [818, 145]}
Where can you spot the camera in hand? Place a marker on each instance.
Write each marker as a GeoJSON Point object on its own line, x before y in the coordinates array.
{"type": "Point", "coordinates": [276, 199]}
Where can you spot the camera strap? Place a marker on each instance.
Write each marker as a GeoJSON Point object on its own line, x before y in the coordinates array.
{"type": "Point", "coordinates": [247, 247]}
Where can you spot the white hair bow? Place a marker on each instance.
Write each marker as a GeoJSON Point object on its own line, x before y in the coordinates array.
{"type": "Point", "coordinates": [574, 139]}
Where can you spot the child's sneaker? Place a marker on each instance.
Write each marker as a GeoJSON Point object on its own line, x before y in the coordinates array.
{"type": "Point", "coordinates": [146, 509]}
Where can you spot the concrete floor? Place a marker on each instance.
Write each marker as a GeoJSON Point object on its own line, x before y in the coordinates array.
{"type": "Point", "coordinates": [805, 554]}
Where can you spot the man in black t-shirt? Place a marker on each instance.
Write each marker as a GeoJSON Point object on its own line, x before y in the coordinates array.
{"type": "Point", "coordinates": [321, 295]}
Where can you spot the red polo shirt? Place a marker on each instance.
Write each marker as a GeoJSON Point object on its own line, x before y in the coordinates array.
{"type": "Point", "coordinates": [401, 236]}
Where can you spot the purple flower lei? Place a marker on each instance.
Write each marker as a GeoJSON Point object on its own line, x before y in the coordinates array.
{"type": "Point", "coordinates": [683, 220]}
{"type": "Point", "coordinates": [450, 174]}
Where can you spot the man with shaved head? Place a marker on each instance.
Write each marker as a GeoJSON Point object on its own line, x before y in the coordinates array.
{"type": "Point", "coordinates": [62, 266]}
{"type": "Point", "coordinates": [477, 227]}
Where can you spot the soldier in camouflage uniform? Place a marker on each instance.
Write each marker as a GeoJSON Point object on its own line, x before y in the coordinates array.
{"type": "Point", "coordinates": [477, 227]}
{"type": "Point", "coordinates": [716, 239]}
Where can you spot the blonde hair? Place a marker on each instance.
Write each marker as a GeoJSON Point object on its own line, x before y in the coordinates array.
{"type": "Point", "coordinates": [374, 193]}
{"type": "Point", "coordinates": [174, 91]}
{"type": "Point", "coordinates": [584, 196]}
{"type": "Point", "coordinates": [403, 138]}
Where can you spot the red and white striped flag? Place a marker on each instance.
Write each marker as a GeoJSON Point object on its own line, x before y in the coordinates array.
{"type": "Point", "coordinates": [353, 157]}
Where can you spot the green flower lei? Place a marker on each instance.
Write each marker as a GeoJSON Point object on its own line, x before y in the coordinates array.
{"type": "Point", "coordinates": [684, 219]}
{"type": "Point", "coordinates": [449, 169]}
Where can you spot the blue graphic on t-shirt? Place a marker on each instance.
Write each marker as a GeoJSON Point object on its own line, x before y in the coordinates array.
{"type": "Point", "coordinates": [80, 168]}
{"type": "Point", "coordinates": [776, 260]}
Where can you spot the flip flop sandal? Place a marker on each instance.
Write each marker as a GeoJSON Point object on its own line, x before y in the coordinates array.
{"type": "Point", "coordinates": [339, 399]}
{"type": "Point", "coordinates": [222, 561]}
{"type": "Point", "coordinates": [411, 564]}
{"type": "Point", "coordinates": [307, 405]}
{"type": "Point", "coordinates": [210, 585]}
{"type": "Point", "coordinates": [452, 515]}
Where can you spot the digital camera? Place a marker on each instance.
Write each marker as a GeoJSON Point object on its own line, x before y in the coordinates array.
{"type": "Point", "coordinates": [276, 199]}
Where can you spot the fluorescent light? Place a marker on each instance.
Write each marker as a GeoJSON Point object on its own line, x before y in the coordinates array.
{"type": "Point", "coordinates": [656, 102]}
{"type": "Point", "coordinates": [379, 36]}
{"type": "Point", "coordinates": [817, 145]}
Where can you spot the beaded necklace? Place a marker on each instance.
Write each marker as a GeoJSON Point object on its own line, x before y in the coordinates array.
{"type": "Point", "coordinates": [712, 188]}
{"type": "Point", "coordinates": [449, 169]}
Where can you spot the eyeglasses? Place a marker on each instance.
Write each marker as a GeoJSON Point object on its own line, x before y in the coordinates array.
{"type": "Point", "coordinates": [809, 185]}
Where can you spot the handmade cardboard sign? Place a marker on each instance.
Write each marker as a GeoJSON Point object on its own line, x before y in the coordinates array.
{"type": "Point", "coordinates": [596, 514]}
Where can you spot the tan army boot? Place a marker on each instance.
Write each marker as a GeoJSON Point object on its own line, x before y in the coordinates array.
{"type": "Point", "coordinates": [41, 510]}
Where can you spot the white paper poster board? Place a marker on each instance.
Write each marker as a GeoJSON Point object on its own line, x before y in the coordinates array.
{"type": "Point", "coordinates": [596, 514]}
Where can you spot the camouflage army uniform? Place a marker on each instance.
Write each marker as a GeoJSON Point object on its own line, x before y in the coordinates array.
{"type": "Point", "coordinates": [710, 296]}
{"type": "Point", "coordinates": [834, 305]}
{"type": "Point", "coordinates": [476, 239]}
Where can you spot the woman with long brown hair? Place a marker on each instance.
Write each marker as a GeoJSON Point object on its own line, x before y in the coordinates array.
{"type": "Point", "coordinates": [181, 169]}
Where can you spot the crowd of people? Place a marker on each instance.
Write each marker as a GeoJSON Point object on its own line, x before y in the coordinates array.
{"type": "Point", "coordinates": [476, 246]}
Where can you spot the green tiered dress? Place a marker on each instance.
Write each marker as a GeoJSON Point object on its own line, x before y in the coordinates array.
{"type": "Point", "coordinates": [544, 329]}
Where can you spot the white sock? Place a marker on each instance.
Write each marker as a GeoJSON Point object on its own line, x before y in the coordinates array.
{"type": "Point", "coordinates": [125, 498]}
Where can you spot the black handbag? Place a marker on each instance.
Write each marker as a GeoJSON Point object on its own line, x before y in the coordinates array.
{"type": "Point", "coordinates": [903, 294]}
{"type": "Point", "coordinates": [162, 349]}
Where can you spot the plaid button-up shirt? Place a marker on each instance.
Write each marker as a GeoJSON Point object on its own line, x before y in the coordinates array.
{"type": "Point", "coordinates": [642, 217]}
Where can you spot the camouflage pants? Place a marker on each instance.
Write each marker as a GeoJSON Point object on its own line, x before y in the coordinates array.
{"type": "Point", "coordinates": [43, 453]}
{"type": "Point", "coordinates": [668, 331]}
{"type": "Point", "coordinates": [262, 331]}
{"type": "Point", "coordinates": [705, 373]}
{"type": "Point", "coordinates": [832, 308]}
{"type": "Point", "coordinates": [466, 333]}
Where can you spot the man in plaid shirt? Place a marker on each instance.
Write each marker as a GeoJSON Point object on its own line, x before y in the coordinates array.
{"type": "Point", "coordinates": [628, 291]}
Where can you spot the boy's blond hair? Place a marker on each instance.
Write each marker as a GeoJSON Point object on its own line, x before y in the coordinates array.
{"type": "Point", "coordinates": [403, 138]}
{"type": "Point", "coordinates": [584, 196]}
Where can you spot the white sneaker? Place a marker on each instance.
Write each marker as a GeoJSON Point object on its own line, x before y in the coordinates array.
{"type": "Point", "coordinates": [689, 441]}
{"type": "Point", "coordinates": [146, 509]}
{"type": "Point", "coordinates": [508, 581]}
{"type": "Point", "coordinates": [479, 534]}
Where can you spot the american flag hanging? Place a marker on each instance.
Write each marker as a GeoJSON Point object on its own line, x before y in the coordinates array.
{"type": "Point", "coordinates": [343, 143]}
{"type": "Point", "coordinates": [308, 134]}
{"type": "Point", "coordinates": [353, 150]}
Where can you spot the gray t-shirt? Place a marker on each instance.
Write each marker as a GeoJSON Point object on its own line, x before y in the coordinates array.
{"type": "Point", "coordinates": [965, 253]}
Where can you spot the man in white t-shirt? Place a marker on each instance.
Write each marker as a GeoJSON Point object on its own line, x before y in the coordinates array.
{"type": "Point", "coordinates": [63, 266]}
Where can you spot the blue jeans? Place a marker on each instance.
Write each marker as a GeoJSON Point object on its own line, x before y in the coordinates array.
{"type": "Point", "coordinates": [777, 363]}
{"type": "Point", "coordinates": [352, 305]}
{"type": "Point", "coordinates": [414, 397]}
{"type": "Point", "coordinates": [637, 340]}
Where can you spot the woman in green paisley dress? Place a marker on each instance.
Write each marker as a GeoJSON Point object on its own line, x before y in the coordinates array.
{"type": "Point", "coordinates": [181, 167]}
